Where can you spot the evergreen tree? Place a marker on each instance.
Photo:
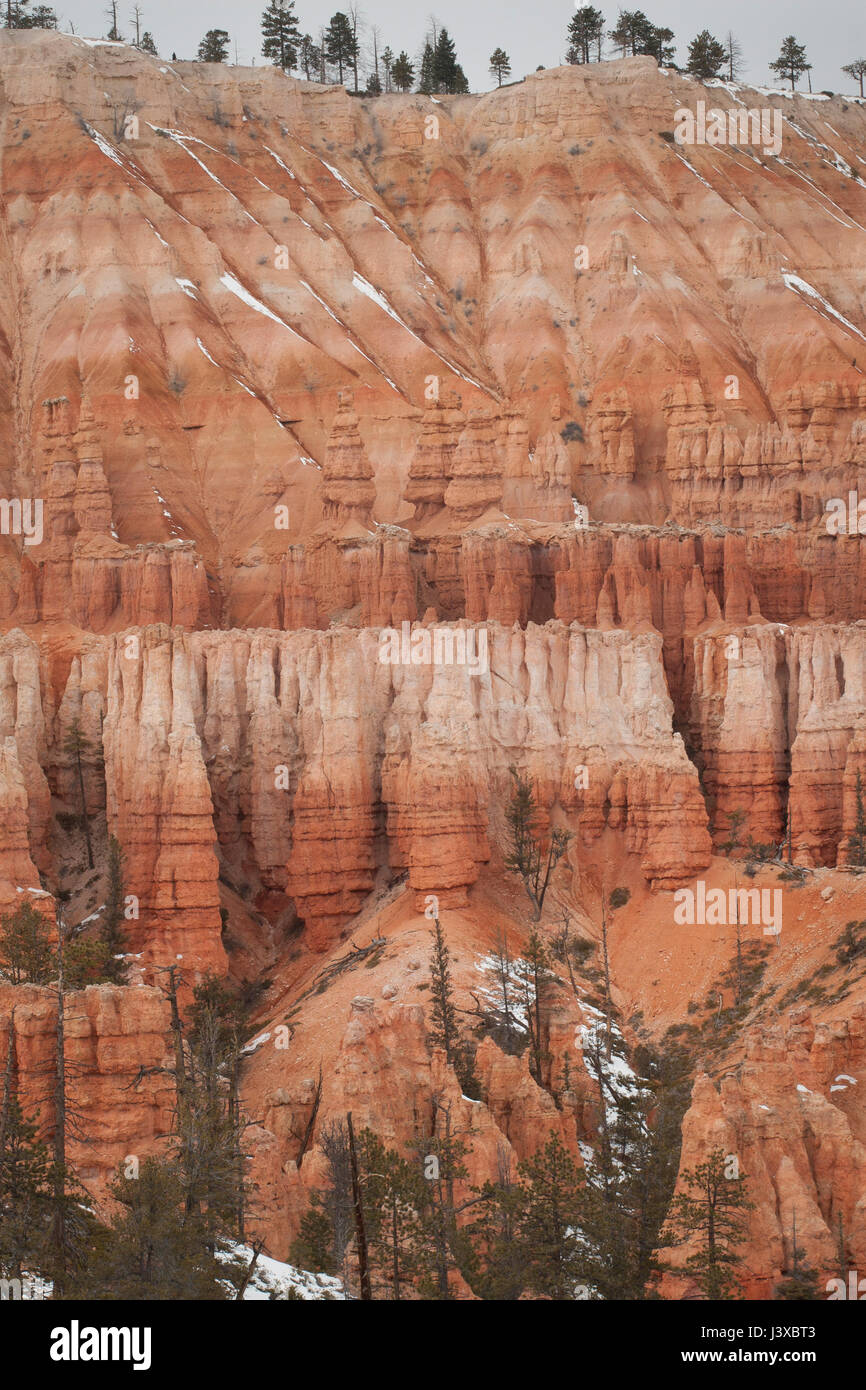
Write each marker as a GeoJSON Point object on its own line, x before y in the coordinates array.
{"type": "Point", "coordinates": [710, 1212]}
{"type": "Point", "coordinates": [856, 69]}
{"type": "Point", "coordinates": [857, 839]}
{"type": "Point", "coordinates": [535, 982]}
{"type": "Point", "coordinates": [585, 31]}
{"type": "Point", "coordinates": [25, 1188]}
{"type": "Point", "coordinates": [337, 1197]}
{"type": "Point", "coordinates": [427, 71]}
{"type": "Point", "coordinates": [736, 818]}
{"type": "Point", "coordinates": [111, 931]}
{"type": "Point", "coordinates": [86, 962]}
{"type": "Point", "coordinates": [791, 62]}
{"type": "Point", "coordinates": [73, 1227]}
{"type": "Point", "coordinates": [500, 65]}
{"type": "Point", "coordinates": [548, 1235]}
{"type": "Point", "coordinates": [444, 1030]}
{"type": "Point", "coordinates": [281, 34]}
{"type": "Point", "coordinates": [446, 72]}
{"type": "Point", "coordinates": [527, 854]}
{"type": "Point", "coordinates": [208, 1126]}
{"type": "Point", "coordinates": [148, 45]}
{"type": "Point", "coordinates": [629, 1178]}
{"type": "Point", "coordinates": [152, 1249]}
{"type": "Point", "coordinates": [341, 47]}
{"type": "Point", "coordinates": [706, 56]}
{"type": "Point", "coordinates": [632, 29]}
{"type": "Point", "coordinates": [393, 1196]}
{"type": "Point", "coordinates": [441, 1246]}
{"type": "Point", "coordinates": [214, 47]}
{"type": "Point", "coordinates": [19, 17]}
{"type": "Point", "coordinates": [388, 61]}
{"type": "Point", "coordinates": [403, 72]}
{"type": "Point", "coordinates": [374, 85]}
{"type": "Point", "coordinates": [310, 58]}
{"type": "Point", "coordinates": [800, 1282]}
{"type": "Point", "coordinates": [659, 44]}
{"type": "Point", "coordinates": [26, 946]}
{"type": "Point", "coordinates": [16, 16]}
{"type": "Point", "coordinates": [78, 747]}
{"type": "Point", "coordinates": [501, 1274]}
{"type": "Point", "coordinates": [313, 1247]}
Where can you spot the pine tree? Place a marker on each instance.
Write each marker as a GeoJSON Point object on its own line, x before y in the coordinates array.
{"type": "Point", "coordinates": [24, 1178]}
{"type": "Point", "coordinates": [857, 839]}
{"type": "Point", "coordinates": [659, 44]}
{"type": "Point", "coordinates": [214, 47]}
{"type": "Point", "coordinates": [16, 16]}
{"type": "Point", "coordinates": [310, 58]}
{"type": "Point", "coordinates": [791, 62]}
{"type": "Point", "coordinates": [73, 1227]}
{"type": "Point", "coordinates": [313, 1246]}
{"type": "Point", "coordinates": [78, 747]}
{"type": "Point", "coordinates": [208, 1126]}
{"type": "Point", "coordinates": [500, 65]}
{"type": "Point", "coordinates": [527, 854]}
{"type": "Point", "coordinates": [446, 73]}
{"type": "Point", "coordinates": [709, 1211]}
{"type": "Point", "coordinates": [800, 1282]}
{"type": "Point", "coordinates": [26, 946]}
{"type": "Point", "coordinates": [393, 1196]}
{"type": "Point", "coordinates": [388, 61]}
{"type": "Point", "coordinates": [444, 1030]}
{"type": "Point", "coordinates": [501, 1274]}
{"type": "Point", "coordinates": [337, 1196]}
{"type": "Point", "coordinates": [427, 74]}
{"type": "Point", "coordinates": [281, 34]}
{"type": "Point", "coordinates": [856, 69]}
{"type": "Point", "coordinates": [706, 56]}
{"type": "Point", "coordinates": [629, 1178]}
{"type": "Point", "coordinates": [441, 1246]}
{"type": "Point", "coordinates": [151, 1250]}
{"type": "Point", "coordinates": [585, 29]}
{"type": "Point", "coordinates": [502, 1020]}
{"type": "Point", "coordinates": [536, 980]}
{"type": "Point", "coordinates": [111, 931]}
{"type": "Point", "coordinates": [403, 72]}
{"type": "Point", "coordinates": [19, 17]}
{"type": "Point", "coordinates": [340, 43]}
{"type": "Point", "coordinates": [551, 1214]}
{"type": "Point", "coordinates": [631, 31]}
{"type": "Point", "coordinates": [148, 45]}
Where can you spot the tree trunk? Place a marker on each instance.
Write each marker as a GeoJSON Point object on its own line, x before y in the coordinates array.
{"type": "Point", "coordinates": [84, 810]}
{"type": "Point", "coordinates": [7, 1082]}
{"type": "Point", "coordinates": [358, 1209]}
{"type": "Point", "coordinates": [58, 1224]}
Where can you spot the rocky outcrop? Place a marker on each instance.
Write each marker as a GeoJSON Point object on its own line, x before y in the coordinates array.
{"type": "Point", "coordinates": [790, 1118]}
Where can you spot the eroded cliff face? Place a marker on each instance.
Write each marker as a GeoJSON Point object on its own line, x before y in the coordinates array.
{"type": "Point", "coordinates": [306, 763]}
{"type": "Point", "coordinates": [384, 446]}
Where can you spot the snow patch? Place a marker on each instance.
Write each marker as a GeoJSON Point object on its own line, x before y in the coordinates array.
{"type": "Point", "coordinates": [273, 1280]}
{"type": "Point", "coordinates": [802, 287]}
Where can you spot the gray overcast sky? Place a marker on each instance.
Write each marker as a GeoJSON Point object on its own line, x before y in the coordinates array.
{"type": "Point", "coordinates": [834, 31]}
